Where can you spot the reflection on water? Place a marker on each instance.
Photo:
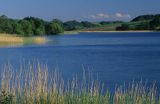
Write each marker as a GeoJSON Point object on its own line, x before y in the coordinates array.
{"type": "Point", "coordinates": [10, 45]}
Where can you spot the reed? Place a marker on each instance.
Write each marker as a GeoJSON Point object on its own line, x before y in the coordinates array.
{"type": "Point", "coordinates": [36, 85]}
{"type": "Point", "coordinates": [34, 40]}
{"type": "Point", "coordinates": [8, 39]}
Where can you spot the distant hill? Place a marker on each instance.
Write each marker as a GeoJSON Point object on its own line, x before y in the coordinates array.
{"type": "Point", "coordinates": [143, 22]}
{"type": "Point", "coordinates": [143, 18]}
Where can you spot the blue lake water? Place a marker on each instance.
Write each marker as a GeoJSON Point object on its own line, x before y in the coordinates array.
{"type": "Point", "coordinates": [114, 57]}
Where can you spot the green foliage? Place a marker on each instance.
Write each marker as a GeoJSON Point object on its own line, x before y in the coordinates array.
{"type": "Point", "coordinates": [72, 25]}
{"type": "Point", "coordinates": [17, 28]}
{"type": "Point", "coordinates": [55, 27]}
{"type": "Point", "coordinates": [26, 27]}
{"type": "Point", "coordinates": [88, 24]}
{"type": "Point", "coordinates": [38, 27]}
{"type": "Point", "coordinates": [143, 18]}
{"type": "Point", "coordinates": [57, 21]}
{"type": "Point", "coordinates": [110, 22]}
{"type": "Point", "coordinates": [30, 26]}
{"type": "Point", "coordinates": [123, 27]}
{"type": "Point", "coordinates": [105, 26]}
{"type": "Point", "coordinates": [5, 24]}
{"type": "Point", "coordinates": [155, 23]}
{"type": "Point", "coordinates": [144, 22]}
{"type": "Point", "coordinates": [142, 25]}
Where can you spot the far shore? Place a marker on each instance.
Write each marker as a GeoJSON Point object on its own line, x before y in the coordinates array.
{"type": "Point", "coordinates": [119, 31]}
{"type": "Point", "coordinates": [80, 31]}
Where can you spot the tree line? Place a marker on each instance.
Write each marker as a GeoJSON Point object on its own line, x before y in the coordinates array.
{"type": "Point", "coordinates": [33, 26]}
{"type": "Point", "coordinates": [29, 26]}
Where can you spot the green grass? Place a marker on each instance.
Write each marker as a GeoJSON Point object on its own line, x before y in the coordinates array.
{"type": "Point", "coordinates": [71, 32]}
{"type": "Point", "coordinates": [35, 85]}
{"type": "Point", "coordinates": [107, 27]}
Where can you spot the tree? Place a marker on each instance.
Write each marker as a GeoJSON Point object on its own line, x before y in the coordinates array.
{"type": "Point", "coordinates": [72, 25]}
{"type": "Point", "coordinates": [17, 28]}
{"type": "Point", "coordinates": [88, 24]}
{"type": "Point", "coordinates": [26, 27]}
{"type": "Point", "coordinates": [155, 23]}
{"type": "Point", "coordinates": [143, 18]}
{"type": "Point", "coordinates": [125, 27]}
{"type": "Point", "coordinates": [38, 27]}
{"type": "Point", "coordinates": [6, 25]}
{"type": "Point", "coordinates": [57, 21]}
{"type": "Point", "coordinates": [54, 28]}
{"type": "Point", "coordinates": [40, 30]}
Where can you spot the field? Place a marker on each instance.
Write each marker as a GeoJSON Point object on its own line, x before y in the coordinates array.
{"type": "Point", "coordinates": [35, 85]}
{"type": "Point", "coordinates": [107, 27]}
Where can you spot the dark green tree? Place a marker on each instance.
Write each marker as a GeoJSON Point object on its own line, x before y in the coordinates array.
{"type": "Point", "coordinates": [27, 27]}
{"type": "Point", "coordinates": [72, 25]}
{"type": "Point", "coordinates": [143, 18]}
{"type": "Point", "coordinates": [155, 23]}
{"type": "Point", "coordinates": [38, 25]}
{"type": "Point", "coordinates": [17, 28]}
{"type": "Point", "coordinates": [54, 28]}
{"type": "Point", "coordinates": [6, 24]}
{"type": "Point", "coordinates": [88, 24]}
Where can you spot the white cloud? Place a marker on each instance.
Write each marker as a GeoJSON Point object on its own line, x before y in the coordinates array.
{"type": "Point", "coordinates": [114, 16]}
{"type": "Point", "coordinates": [102, 15]}
{"type": "Point", "coordinates": [121, 15]}
{"type": "Point", "coordinates": [98, 16]}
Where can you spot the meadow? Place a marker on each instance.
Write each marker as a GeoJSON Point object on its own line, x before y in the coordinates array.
{"type": "Point", "coordinates": [106, 27]}
{"type": "Point", "coordinates": [34, 84]}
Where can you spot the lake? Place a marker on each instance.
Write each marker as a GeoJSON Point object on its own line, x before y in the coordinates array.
{"type": "Point", "coordinates": [113, 58]}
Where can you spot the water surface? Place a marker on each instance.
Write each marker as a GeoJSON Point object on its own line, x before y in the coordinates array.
{"type": "Point", "coordinates": [114, 57]}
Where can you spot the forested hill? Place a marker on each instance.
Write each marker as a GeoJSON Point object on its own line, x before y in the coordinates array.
{"type": "Point", "coordinates": [143, 18]}
{"type": "Point", "coordinates": [143, 22]}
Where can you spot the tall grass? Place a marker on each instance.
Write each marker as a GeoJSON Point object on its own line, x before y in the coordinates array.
{"type": "Point", "coordinates": [11, 40]}
{"type": "Point", "coordinates": [36, 85]}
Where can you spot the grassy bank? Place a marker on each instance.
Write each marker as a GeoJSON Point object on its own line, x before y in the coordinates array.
{"type": "Point", "coordinates": [8, 39]}
{"type": "Point", "coordinates": [106, 27]}
{"type": "Point", "coordinates": [111, 27]}
{"type": "Point", "coordinates": [35, 85]}
{"type": "Point", "coordinates": [71, 32]}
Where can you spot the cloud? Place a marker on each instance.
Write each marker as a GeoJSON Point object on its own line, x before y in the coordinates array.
{"type": "Point", "coordinates": [121, 15]}
{"type": "Point", "coordinates": [98, 16]}
{"type": "Point", "coordinates": [114, 16]}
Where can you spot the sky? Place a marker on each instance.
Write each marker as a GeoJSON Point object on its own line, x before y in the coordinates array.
{"type": "Point", "coordinates": [87, 10]}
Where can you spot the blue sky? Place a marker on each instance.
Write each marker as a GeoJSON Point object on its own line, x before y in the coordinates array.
{"type": "Point", "coordinates": [92, 10]}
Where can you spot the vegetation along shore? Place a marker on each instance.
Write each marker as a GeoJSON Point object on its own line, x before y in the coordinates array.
{"type": "Point", "coordinates": [8, 39]}
{"type": "Point", "coordinates": [35, 85]}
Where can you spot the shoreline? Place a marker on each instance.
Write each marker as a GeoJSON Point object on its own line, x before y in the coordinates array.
{"type": "Point", "coordinates": [116, 31]}
{"type": "Point", "coordinates": [133, 31]}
